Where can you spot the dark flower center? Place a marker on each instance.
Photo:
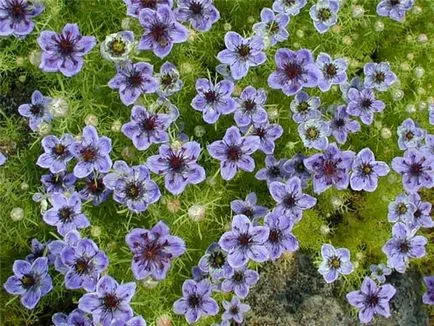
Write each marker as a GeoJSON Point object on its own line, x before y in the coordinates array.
{"type": "Point", "coordinates": [329, 168]}
{"type": "Point", "coordinates": [404, 247]}
{"type": "Point", "coordinates": [299, 167]}
{"type": "Point", "coordinates": [234, 310]}
{"type": "Point", "coordinates": [260, 132]}
{"type": "Point", "coordinates": [372, 300]}
{"type": "Point", "coordinates": [59, 149]}
{"type": "Point", "coordinates": [238, 276]}
{"type": "Point", "coordinates": [334, 262]}
{"type": "Point", "coordinates": [195, 7]}
{"type": "Point", "coordinates": [28, 281]}
{"type": "Point", "coordinates": [36, 109]}
{"type": "Point", "coordinates": [274, 28]}
{"type": "Point", "coordinates": [88, 154]}
{"type": "Point", "coordinates": [95, 186]}
{"type": "Point", "coordinates": [111, 301]}
{"type": "Point", "coordinates": [289, 201]}
{"type": "Point", "coordinates": [217, 259]}
{"type": "Point", "coordinates": [194, 300]}
{"type": "Point", "coordinates": [150, 124]}
{"type": "Point", "coordinates": [65, 44]}
{"type": "Point", "coordinates": [117, 47]}
{"type": "Point", "coordinates": [149, 3]}
{"type": "Point", "coordinates": [243, 50]}
{"type": "Point", "coordinates": [275, 235]}
{"type": "Point", "coordinates": [176, 162]}
{"type": "Point", "coordinates": [416, 169]}
{"type": "Point", "coordinates": [274, 171]}
{"type": "Point", "coordinates": [402, 208]}
{"type": "Point", "coordinates": [330, 70]}
{"type": "Point", "coordinates": [135, 79]}
{"type": "Point", "coordinates": [17, 9]}
{"type": "Point", "coordinates": [151, 251]}
{"type": "Point", "coordinates": [303, 107]}
{"type": "Point", "coordinates": [394, 2]}
{"type": "Point", "coordinates": [379, 77]}
{"type": "Point", "coordinates": [366, 103]}
{"type": "Point", "coordinates": [409, 135]}
{"type": "Point", "coordinates": [292, 71]}
{"type": "Point", "coordinates": [166, 80]}
{"type": "Point", "coordinates": [133, 191]}
{"type": "Point", "coordinates": [367, 169]}
{"type": "Point", "coordinates": [248, 211]}
{"type": "Point", "coordinates": [66, 214]}
{"type": "Point", "coordinates": [312, 133]}
{"type": "Point", "coordinates": [289, 2]}
{"type": "Point", "coordinates": [82, 266]}
{"type": "Point", "coordinates": [417, 213]}
{"type": "Point", "coordinates": [249, 105]}
{"type": "Point", "coordinates": [324, 14]}
{"type": "Point", "coordinates": [56, 179]}
{"type": "Point", "coordinates": [210, 96]}
{"type": "Point", "coordinates": [339, 122]}
{"type": "Point", "coordinates": [233, 153]}
{"type": "Point", "coordinates": [244, 239]}
{"type": "Point", "coordinates": [159, 34]}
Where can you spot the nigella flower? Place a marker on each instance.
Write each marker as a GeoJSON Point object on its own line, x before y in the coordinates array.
{"type": "Point", "coordinates": [371, 299]}
{"type": "Point", "coordinates": [239, 280]}
{"type": "Point", "coordinates": [234, 311]}
{"type": "Point", "coordinates": [410, 135]}
{"type": "Point", "coordinates": [57, 154]}
{"type": "Point", "coordinates": [135, 321]}
{"type": "Point", "coordinates": [356, 82]}
{"type": "Point", "coordinates": [94, 189]}
{"type": "Point", "coordinates": [296, 168]}
{"type": "Point", "coordinates": [422, 214]}
{"type": "Point", "coordinates": [16, 17]}
{"type": "Point", "coordinates": [178, 165]}
{"type": "Point", "coordinates": [428, 148]}
{"type": "Point", "coordinates": [403, 245]}
{"type": "Point", "coordinates": [37, 111]}
{"type": "Point", "coordinates": [280, 239]}
{"type": "Point", "coordinates": [305, 107]}
{"type": "Point", "coordinates": [416, 169]}
{"type": "Point", "coordinates": [324, 14]}
{"type": "Point", "coordinates": [3, 158]}
{"type": "Point", "coordinates": [76, 317]}
{"type": "Point", "coordinates": [153, 251]}
{"type": "Point", "coordinates": [146, 128]}
{"type": "Point", "coordinates": [196, 301]}
{"type": "Point", "coordinates": [30, 281]}
{"type": "Point", "coordinates": [335, 262]}
{"type": "Point", "coordinates": [290, 199]}
{"type": "Point", "coordinates": [395, 9]}
{"type": "Point", "coordinates": [341, 125]}
{"type": "Point", "coordinates": [378, 76]}
{"type": "Point", "coordinates": [60, 182]}
{"type": "Point", "coordinates": [290, 7]}
{"type": "Point", "coordinates": [168, 79]}
{"type": "Point", "coordinates": [213, 100]}
{"type": "Point", "coordinates": [428, 297]}
{"type": "Point", "coordinates": [334, 72]}
{"type": "Point", "coordinates": [248, 207]}
{"type": "Point", "coordinates": [379, 272]}
{"type": "Point", "coordinates": [242, 53]}
{"type": "Point", "coordinates": [161, 30]}
{"type": "Point", "coordinates": [135, 6]}
{"type": "Point", "coordinates": [110, 301]}
{"type": "Point", "coordinates": [85, 263]}
{"type": "Point", "coordinates": [66, 213]}
{"type": "Point", "coordinates": [250, 107]}
{"type": "Point", "coordinates": [198, 274]}
{"type": "Point", "coordinates": [92, 153]}
{"type": "Point", "coordinates": [402, 209]}
{"type": "Point", "coordinates": [56, 247]}
{"type": "Point", "coordinates": [295, 70]}
{"type": "Point", "coordinates": [234, 152]}
{"type": "Point", "coordinates": [275, 170]}
{"type": "Point", "coordinates": [37, 250]}
{"type": "Point", "coordinates": [314, 133]}
{"type": "Point", "coordinates": [133, 80]}
{"type": "Point", "coordinates": [272, 27]}
{"type": "Point", "coordinates": [214, 262]}
{"type": "Point", "coordinates": [117, 46]}
{"type": "Point", "coordinates": [163, 105]}
{"type": "Point", "coordinates": [362, 103]}
{"type": "Point", "coordinates": [132, 186]}
{"type": "Point", "coordinates": [330, 168]}
{"type": "Point", "coordinates": [245, 241]}
{"type": "Point", "coordinates": [64, 52]}
{"type": "Point", "coordinates": [366, 170]}
{"type": "Point", "coordinates": [202, 14]}
{"type": "Point", "coordinates": [267, 133]}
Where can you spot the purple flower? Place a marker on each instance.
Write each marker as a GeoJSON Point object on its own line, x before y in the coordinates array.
{"type": "Point", "coordinates": [290, 199]}
{"type": "Point", "coordinates": [60, 182]}
{"type": "Point", "coordinates": [245, 241]}
{"type": "Point", "coordinates": [366, 170]}
{"type": "Point", "coordinates": [198, 274]}
{"type": "Point", "coordinates": [66, 213]}
{"type": "Point", "coordinates": [371, 300]}
{"type": "Point", "coordinates": [267, 133]}
{"type": "Point", "coordinates": [248, 207]}
{"type": "Point", "coordinates": [161, 30]}
{"type": "Point", "coordinates": [135, 321]}
{"type": "Point", "coordinates": [355, 82]}
{"type": "Point", "coordinates": [234, 310]}
{"type": "Point", "coordinates": [280, 239]}
{"type": "Point", "coordinates": [3, 158]}
{"type": "Point", "coordinates": [403, 245]}
{"type": "Point", "coordinates": [416, 169]}
{"type": "Point", "coordinates": [85, 263]}
{"type": "Point", "coordinates": [110, 301]}
{"type": "Point", "coordinates": [335, 262]}
{"type": "Point", "coordinates": [275, 170]}
{"type": "Point", "coordinates": [234, 152]}
{"type": "Point", "coordinates": [428, 148]}
{"type": "Point", "coordinates": [213, 100]}
{"type": "Point", "coordinates": [30, 281]}
{"type": "Point", "coordinates": [304, 107]}
{"type": "Point", "coordinates": [153, 251]}
{"type": "Point", "coordinates": [135, 6]}
{"type": "Point", "coordinates": [64, 52]}
{"type": "Point", "coordinates": [410, 135]}
{"type": "Point", "coordinates": [314, 133]}
{"type": "Point", "coordinates": [168, 79]}
{"type": "Point", "coordinates": [16, 17]}
{"type": "Point", "coordinates": [330, 168]}
{"type": "Point", "coordinates": [196, 301]}
{"type": "Point", "coordinates": [290, 7]}
{"type": "Point", "coordinates": [146, 128]}
{"type": "Point", "coordinates": [379, 272]}
{"type": "Point", "coordinates": [296, 168]}
{"type": "Point", "coordinates": [202, 14]}
{"type": "Point", "coordinates": [272, 27]}
{"type": "Point", "coordinates": [56, 247]}
{"type": "Point", "coordinates": [250, 107]}
{"type": "Point", "coordinates": [428, 297]}
{"type": "Point", "coordinates": [94, 189]}
{"type": "Point", "coordinates": [295, 70]}
{"type": "Point", "coordinates": [342, 125]}
{"type": "Point", "coordinates": [395, 9]}
{"type": "Point", "coordinates": [239, 281]}
{"type": "Point", "coordinates": [422, 214]}
{"type": "Point", "coordinates": [37, 111]}
{"type": "Point", "coordinates": [76, 318]}
{"type": "Point", "coordinates": [362, 103]}
{"type": "Point", "coordinates": [133, 80]}
{"type": "Point", "coordinates": [378, 76]}
{"type": "Point", "coordinates": [402, 209]}
{"type": "Point", "coordinates": [242, 53]}
{"type": "Point", "coordinates": [214, 262]}
{"type": "Point", "coordinates": [324, 14]}
{"type": "Point", "coordinates": [178, 165]}
{"type": "Point", "coordinates": [37, 250]}
{"type": "Point", "coordinates": [132, 186]}
{"type": "Point", "coordinates": [333, 72]}
{"type": "Point", "coordinates": [57, 154]}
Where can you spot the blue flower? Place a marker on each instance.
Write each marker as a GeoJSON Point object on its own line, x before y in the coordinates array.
{"type": "Point", "coordinates": [333, 71]}
{"type": "Point", "coordinates": [239, 281]}
{"type": "Point", "coordinates": [76, 317]}
{"type": "Point", "coordinates": [94, 189]}
{"type": "Point", "coordinates": [324, 14]}
{"type": "Point", "coordinates": [250, 107]}
{"type": "Point", "coordinates": [234, 311]}
{"type": "Point", "coordinates": [168, 80]}
{"type": "Point", "coordinates": [379, 272]}
{"type": "Point", "coordinates": [314, 133]}
{"type": "Point", "coordinates": [410, 135]}
{"type": "Point", "coordinates": [37, 111]}
{"type": "Point", "coordinates": [280, 239]}
{"type": "Point", "coordinates": [335, 262]}
{"type": "Point", "coordinates": [305, 107]}
{"type": "Point", "coordinates": [290, 7]}
{"type": "Point", "coordinates": [275, 170]}
{"type": "Point", "coordinates": [341, 125]}
{"type": "Point", "coordinates": [272, 27]}
{"type": "Point", "coordinates": [60, 182]}
{"type": "Point", "coordinates": [202, 14]}
{"type": "Point", "coordinates": [395, 9]}
{"type": "Point", "coordinates": [267, 134]}
{"type": "Point", "coordinates": [296, 168]}
{"type": "Point", "coordinates": [214, 262]}
{"type": "Point", "coordinates": [16, 17]}
{"type": "Point", "coordinates": [248, 207]}
{"type": "Point", "coordinates": [57, 154]}
{"type": "Point", "coordinates": [378, 76]}
{"type": "Point", "coordinates": [362, 103]}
